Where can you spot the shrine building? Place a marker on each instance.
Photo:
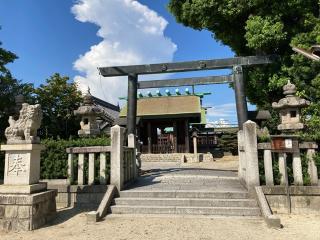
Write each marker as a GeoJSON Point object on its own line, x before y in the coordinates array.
{"type": "Point", "coordinates": [169, 123]}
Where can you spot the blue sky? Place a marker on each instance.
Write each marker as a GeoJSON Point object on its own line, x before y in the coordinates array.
{"type": "Point", "coordinates": [74, 37]}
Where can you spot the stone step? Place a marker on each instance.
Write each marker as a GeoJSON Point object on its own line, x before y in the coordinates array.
{"type": "Point", "coordinates": [189, 202]}
{"type": "Point", "coordinates": [221, 211]}
{"type": "Point", "coordinates": [184, 194]}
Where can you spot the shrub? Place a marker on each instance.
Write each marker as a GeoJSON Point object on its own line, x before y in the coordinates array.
{"type": "Point", "coordinates": [317, 162]}
{"type": "Point", "coordinates": [54, 157]}
{"type": "Point", "coordinates": [228, 142]}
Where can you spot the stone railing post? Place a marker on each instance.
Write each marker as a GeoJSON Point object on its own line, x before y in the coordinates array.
{"type": "Point", "coordinates": [103, 158]}
{"type": "Point", "coordinates": [268, 170]}
{"type": "Point", "coordinates": [70, 168]}
{"type": "Point", "coordinates": [282, 168]}
{"type": "Point", "coordinates": [242, 157]}
{"type": "Point", "coordinates": [133, 144]}
{"type": "Point", "coordinates": [116, 173]}
{"type": "Point", "coordinates": [91, 171]}
{"type": "Point", "coordinates": [312, 168]}
{"type": "Point", "coordinates": [251, 152]}
{"type": "Point", "coordinates": [81, 169]}
{"type": "Point", "coordinates": [297, 169]}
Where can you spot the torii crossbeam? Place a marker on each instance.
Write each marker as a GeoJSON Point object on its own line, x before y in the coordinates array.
{"type": "Point", "coordinates": [134, 71]}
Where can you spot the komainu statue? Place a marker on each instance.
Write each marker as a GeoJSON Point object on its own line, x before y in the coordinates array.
{"type": "Point", "coordinates": [24, 130]}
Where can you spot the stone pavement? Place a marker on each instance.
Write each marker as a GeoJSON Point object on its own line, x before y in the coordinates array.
{"type": "Point", "coordinates": [196, 189]}
{"type": "Point", "coordinates": [175, 176]}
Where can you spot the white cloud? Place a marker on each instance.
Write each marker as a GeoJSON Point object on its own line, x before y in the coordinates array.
{"type": "Point", "coordinates": [227, 110]}
{"type": "Point", "coordinates": [131, 34]}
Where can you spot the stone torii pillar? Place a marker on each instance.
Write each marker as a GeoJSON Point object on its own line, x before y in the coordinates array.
{"type": "Point", "coordinates": [241, 102]}
{"type": "Point", "coordinates": [132, 103]}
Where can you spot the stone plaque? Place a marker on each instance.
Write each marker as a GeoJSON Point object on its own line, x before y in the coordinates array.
{"type": "Point", "coordinates": [17, 165]}
{"type": "Point", "coordinates": [288, 143]}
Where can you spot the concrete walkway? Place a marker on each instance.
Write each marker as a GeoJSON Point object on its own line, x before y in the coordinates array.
{"type": "Point", "coordinates": [197, 176]}
{"type": "Point", "coordinates": [175, 176]}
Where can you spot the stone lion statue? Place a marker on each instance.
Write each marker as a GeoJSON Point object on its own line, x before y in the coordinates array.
{"type": "Point", "coordinates": [24, 130]}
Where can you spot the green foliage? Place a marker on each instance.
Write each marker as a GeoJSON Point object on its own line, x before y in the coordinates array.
{"type": "Point", "coordinates": [259, 27]}
{"type": "Point", "coordinates": [264, 138]}
{"type": "Point", "coordinates": [58, 99]}
{"type": "Point", "coordinates": [9, 88]}
{"type": "Point", "coordinates": [228, 142]}
{"type": "Point", "coordinates": [264, 32]}
{"type": "Point", "coordinates": [54, 157]}
{"type": "Point", "coordinates": [317, 161]}
{"type": "Point", "coordinates": [275, 168]}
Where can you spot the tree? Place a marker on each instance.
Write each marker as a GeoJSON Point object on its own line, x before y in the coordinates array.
{"type": "Point", "coordinates": [263, 27]}
{"type": "Point", "coordinates": [58, 99]}
{"type": "Point", "coordinates": [9, 88]}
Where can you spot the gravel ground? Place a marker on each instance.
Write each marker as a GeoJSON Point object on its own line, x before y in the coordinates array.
{"type": "Point", "coordinates": [168, 227]}
{"type": "Point", "coordinates": [71, 225]}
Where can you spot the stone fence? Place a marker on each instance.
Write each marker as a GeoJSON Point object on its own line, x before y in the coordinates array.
{"type": "Point", "coordinates": [308, 147]}
{"type": "Point", "coordinates": [92, 154]}
{"type": "Point", "coordinates": [123, 166]}
{"type": "Point", "coordinates": [250, 149]}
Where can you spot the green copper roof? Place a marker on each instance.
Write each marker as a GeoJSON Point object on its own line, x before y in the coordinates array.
{"type": "Point", "coordinates": [166, 106]}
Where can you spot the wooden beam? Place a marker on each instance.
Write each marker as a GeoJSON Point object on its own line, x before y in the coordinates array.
{"type": "Point", "coordinates": [184, 66]}
{"type": "Point", "coordinates": [185, 82]}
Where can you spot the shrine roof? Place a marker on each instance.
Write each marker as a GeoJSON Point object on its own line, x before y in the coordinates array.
{"type": "Point", "coordinates": [188, 105]}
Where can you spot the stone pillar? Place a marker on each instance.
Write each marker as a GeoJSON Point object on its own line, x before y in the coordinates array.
{"type": "Point", "coordinates": [22, 164]}
{"type": "Point", "coordinates": [312, 168]}
{"type": "Point", "coordinates": [241, 101]}
{"type": "Point", "coordinates": [195, 147]}
{"type": "Point", "coordinates": [25, 204]}
{"type": "Point", "coordinates": [117, 174]}
{"type": "Point", "coordinates": [283, 168]}
{"type": "Point", "coordinates": [91, 169]}
{"type": "Point", "coordinates": [132, 103]}
{"type": "Point", "coordinates": [297, 169]}
{"type": "Point", "coordinates": [149, 138]}
{"type": "Point", "coordinates": [132, 143]}
{"type": "Point", "coordinates": [187, 145]}
{"type": "Point", "coordinates": [175, 137]}
{"type": "Point", "coordinates": [81, 169]}
{"type": "Point", "coordinates": [70, 168]}
{"type": "Point", "coordinates": [268, 170]}
{"type": "Point", "coordinates": [251, 150]}
{"type": "Point", "coordinates": [242, 157]}
{"type": "Point", "coordinates": [102, 175]}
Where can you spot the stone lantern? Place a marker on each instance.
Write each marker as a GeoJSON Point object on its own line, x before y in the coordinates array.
{"type": "Point", "coordinates": [290, 109]}
{"type": "Point", "coordinates": [19, 100]}
{"type": "Point", "coordinates": [89, 113]}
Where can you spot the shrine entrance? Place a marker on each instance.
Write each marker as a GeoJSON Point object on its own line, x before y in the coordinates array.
{"type": "Point", "coordinates": [236, 78]}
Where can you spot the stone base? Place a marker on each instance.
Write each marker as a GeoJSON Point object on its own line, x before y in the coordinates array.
{"type": "Point", "coordinates": [25, 212]}
{"type": "Point", "coordinates": [23, 189]}
{"type": "Point", "coordinates": [22, 163]}
{"type": "Point", "coordinates": [87, 197]}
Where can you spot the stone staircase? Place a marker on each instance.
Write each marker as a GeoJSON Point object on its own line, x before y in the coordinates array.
{"type": "Point", "coordinates": [187, 192]}
{"type": "Point", "coordinates": [185, 202]}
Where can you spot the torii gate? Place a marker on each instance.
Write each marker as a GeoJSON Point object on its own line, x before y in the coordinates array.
{"type": "Point", "coordinates": [133, 71]}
